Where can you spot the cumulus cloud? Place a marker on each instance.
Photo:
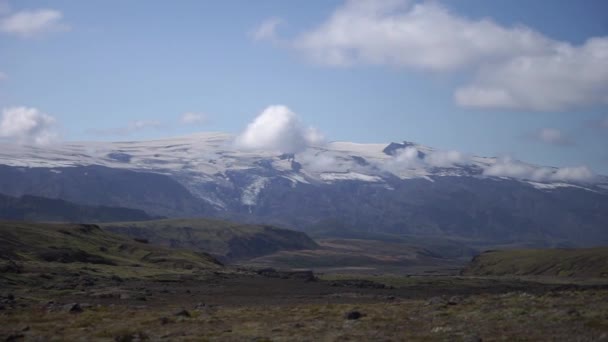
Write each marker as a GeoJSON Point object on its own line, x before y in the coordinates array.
{"type": "Point", "coordinates": [192, 118]}
{"type": "Point", "coordinates": [279, 129]}
{"type": "Point", "coordinates": [33, 23]}
{"type": "Point", "coordinates": [551, 136]}
{"type": "Point", "coordinates": [130, 128]}
{"type": "Point", "coordinates": [508, 167]}
{"type": "Point", "coordinates": [27, 125]}
{"type": "Point", "coordinates": [514, 67]}
{"type": "Point", "coordinates": [267, 30]}
{"type": "Point", "coordinates": [403, 159]}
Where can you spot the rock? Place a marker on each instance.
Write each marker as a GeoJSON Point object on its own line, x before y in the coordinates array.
{"type": "Point", "coordinates": [10, 267]}
{"type": "Point", "coordinates": [183, 313]}
{"type": "Point", "coordinates": [141, 298]}
{"type": "Point", "coordinates": [116, 279]}
{"type": "Point", "coordinates": [125, 296]}
{"type": "Point", "coordinates": [472, 338]}
{"type": "Point", "coordinates": [573, 312]}
{"type": "Point", "coordinates": [455, 300]}
{"type": "Point", "coordinates": [200, 306]}
{"type": "Point", "coordinates": [164, 320]}
{"type": "Point", "coordinates": [73, 308]}
{"type": "Point", "coordinates": [353, 315]}
{"type": "Point", "coordinates": [436, 301]}
{"type": "Point", "coordinates": [138, 336]}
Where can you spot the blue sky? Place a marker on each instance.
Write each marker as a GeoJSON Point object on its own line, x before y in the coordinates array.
{"type": "Point", "coordinates": [379, 72]}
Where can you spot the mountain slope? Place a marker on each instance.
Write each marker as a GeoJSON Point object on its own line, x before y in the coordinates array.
{"type": "Point", "coordinates": [99, 185]}
{"type": "Point", "coordinates": [33, 208]}
{"type": "Point", "coordinates": [225, 240]}
{"type": "Point", "coordinates": [589, 262]}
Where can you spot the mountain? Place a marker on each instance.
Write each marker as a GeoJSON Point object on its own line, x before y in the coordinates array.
{"type": "Point", "coordinates": [34, 208]}
{"type": "Point", "coordinates": [225, 240]}
{"type": "Point", "coordinates": [397, 188]}
{"type": "Point", "coordinates": [582, 262]}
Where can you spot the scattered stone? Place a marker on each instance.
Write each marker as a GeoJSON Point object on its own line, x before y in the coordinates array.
{"type": "Point", "coordinates": [164, 320]}
{"type": "Point", "coordinates": [26, 328]}
{"type": "Point", "coordinates": [351, 315]}
{"type": "Point", "coordinates": [183, 313]}
{"type": "Point", "coordinates": [141, 298]}
{"type": "Point", "coordinates": [15, 337]}
{"type": "Point", "coordinates": [455, 300]}
{"type": "Point", "coordinates": [125, 296]}
{"type": "Point", "coordinates": [200, 306]}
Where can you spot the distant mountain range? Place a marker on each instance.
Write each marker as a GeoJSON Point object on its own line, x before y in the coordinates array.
{"type": "Point", "coordinates": [34, 208]}
{"type": "Point", "coordinates": [340, 187]}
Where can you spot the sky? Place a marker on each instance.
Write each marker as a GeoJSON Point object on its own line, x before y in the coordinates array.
{"type": "Point", "coordinates": [514, 78]}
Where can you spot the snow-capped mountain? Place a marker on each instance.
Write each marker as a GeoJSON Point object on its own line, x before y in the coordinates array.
{"type": "Point", "coordinates": [397, 187]}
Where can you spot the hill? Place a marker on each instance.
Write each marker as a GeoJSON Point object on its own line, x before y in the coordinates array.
{"type": "Point", "coordinates": [34, 208]}
{"type": "Point", "coordinates": [65, 248]}
{"type": "Point", "coordinates": [225, 240]}
{"type": "Point", "coordinates": [586, 262]}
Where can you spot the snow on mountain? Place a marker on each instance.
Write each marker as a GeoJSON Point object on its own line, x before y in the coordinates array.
{"type": "Point", "coordinates": [211, 157]}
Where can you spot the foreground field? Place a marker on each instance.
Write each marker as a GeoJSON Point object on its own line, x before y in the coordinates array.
{"type": "Point", "coordinates": [241, 305]}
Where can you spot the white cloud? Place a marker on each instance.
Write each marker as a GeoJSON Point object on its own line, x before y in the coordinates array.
{"type": "Point", "coordinates": [279, 129]}
{"type": "Point", "coordinates": [32, 23]}
{"type": "Point", "coordinates": [508, 167]}
{"type": "Point", "coordinates": [515, 67]}
{"type": "Point", "coordinates": [267, 30]}
{"type": "Point", "coordinates": [405, 158]}
{"type": "Point", "coordinates": [561, 78]}
{"type": "Point", "coordinates": [27, 125]}
{"type": "Point", "coordinates": [191, 118]}
{"type": "Point", "coordinates": [574, 174]}
{"type": "Point", "coordinates": [425, 36]}
{"type": "Point", "coordinates": [552, 136]}
{"type": "Point", "coordinates": [446, 158]}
